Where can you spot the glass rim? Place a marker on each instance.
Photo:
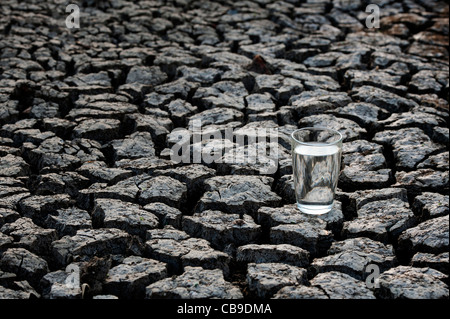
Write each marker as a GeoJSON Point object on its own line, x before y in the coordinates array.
{"type": "Point", "coordinates": [317, 128]}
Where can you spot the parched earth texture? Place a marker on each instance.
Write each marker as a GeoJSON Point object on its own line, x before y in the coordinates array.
{"type": "Point", "coordinates": [92, 206]}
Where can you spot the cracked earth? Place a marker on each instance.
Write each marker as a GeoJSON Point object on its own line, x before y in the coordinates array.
{"type": "Point", "coordinates": [89, 118]}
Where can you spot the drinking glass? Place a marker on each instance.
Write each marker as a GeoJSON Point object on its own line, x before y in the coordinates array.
{"type": "Point", "coordinates": [316, 163]}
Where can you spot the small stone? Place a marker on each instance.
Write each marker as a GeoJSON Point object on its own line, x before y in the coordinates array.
{"type": "Point", "coordinates": [168, 232]}
{"type": "Point", "coordinates": [430, 103]}
{"type": "Point", "coordinates": [264, 279]}
{"type": "Point", "coordinates": [203, 76]}
{"type": "Point", "coordinates": [42, 109]}
{"type": "Point", "coordinates": [264, 116]}
{"type": "Point", "coordinates": [427, 50]}
{"type": "Point", "coordinates": [11, 202]}
{"type": "Point", "coordinates": [5, 242]}
{"type": "Point", "coordinates": [376, 40]}
{"type": "Point", "coordinates": [166, 214]}
{"type": "Point", "coordinates": [55, 154]}
{"type": "Point", "coordinates": [8, 216]}
{"type": "Point", "coordinates": [322, 59]}
{"type": "Point", "coordinates": [227, 94]}
{"type": "Point", "coordinates": [257, 103]}
{"type": "Point", "coordinates": [100, 79]}
{"type": "Point", "coordinates": [86, 100]}
{"type": "Point", "coordinates": [360, 198]}
{"type": "Point", "coordinates": [194, 283]}
{"type": "Point", "coordinates": [431, 205]}
{"type": "Point", "coordinates": [221, 229]}
{"type": "Point", "coordinates": [439, 262]}
{"type": "Point", "coordinates": [58, 284]}
{"type": "Point", "coordinates": [280, 87]}
{"type": "Point", "coordinates": [434, 81]}
{"type": "Point", "coordinates": [238, 194]}
{"type": "Point", "coordinates": [349, 129]}
{"type": "Point", "coordinates": [180, 110]}
{"type": "Point", "coordinates": [163, 189]}
{"type": "Point", "coordinates": [11, 165]}
{"type": "Point", "coordinates": [299, 55]}
{"type": "Point", "coordinates": [264, 131]}
{"type": "Point", "coordinates": [311, 236]}
{"type": "Point", "coordinates": [34, 136]}
{"type": "Point", "coordinates": [353, 256]}
{"type": "Point", "coordinates": [215, 116]}
{"type": "Point", "coordinates": [352, 177]}
{"type": "Point", "coordinates": [290, 214]}
{"type": "Point", "coordinates": [365, 114]}
{"type": "Point", "coordinates": [6, 293]}
{"type": "Point", "coordinates": [157, 126]}
{"type": "Point", "coordinates": [25, 124]}
{"type": "Point", "coordinates": [187, 252]}
{"type": "Point", "coordinates": [37, 207]}
{"type": "Point", "coordinates": [99, 172]}
{"type": "Point", "coordinates": [97, 129]}
{"type": "Point", "coordinates": [313, 82]}
{"type": "Point", "coordinates": [129, 279]}
{"type": "Point", "coordinates": [55, 162]}
{"type": "Point", "coordinates": [411, 19]}
{"type": "Point", "coordinates": [25, 286]}
{"type": "Point", "coordinates": [178, 88]}
{"type": "Point", "coordinates": [422, 120]}
{"type": "Point", "coordinates": [144, 165]}
{"type": "Point", "coordinates": [5, 150]}
{"type": "Point", "coordinates": [431, 236]}
{"type": "Point", "coordinates": [125, 190]}
{"type": "Point", "coordinates": [424, 179]}
{"type": "Point", "coordinates": [161, 25]}
{"type": "Point", "coordinates": [282, 253]}
{"type": "Point", "coordinates": [208, 151]}
{"type": "Point", "coordinates": [156, 100]}
{"type": "Point", "coordinates": [193, 176]}
{"type": "Point", "coordinates": [136, 145]}
{"type": "Point", "coordinates": [101, 109]}
{"type": "Point", "coordinates": [344, 20]}
{"type": "Point", "coordinates": [441, 135]}
{"type": "Point", "coordinates": [439, 161]}
{"type": "Point", "coordinates": [338, 285]}
{"type": "Point", "coordinates": [61, 127]}
{"type": "Point", "coordinates": [112, 213]}
{"type": "Point", "coordinates": [91, 242]}
{"type": "Point", "coordinates": [68, 221]}
{"type": "Point", "coordinates": [275, 50]}
{"type": "Point", "coordinates": [28, 235]}
{"type": "Point", "coordinates": [7, 182]}
{"type": "Point", "coordinates": [300, 292]}
{"type": "Point", "coordinates": [24, 264]}
{"type": "Point", "coordinates": [62, 291]}
{"type": "Point", "coordinates": [258, 158]}
{"type": "Point", "coordinates": [404, 282]}
{"type": "Point", "coordinates": [378, 78]}
{"type": "Point", "coordinates": [380, 220]}
{"type": "Point", "coordinates": [151, 76]}
{"type": "Point", "coordinates": [9, 111]}
{"type": "Point", "coordinates": [364, 166]}
{"type": "Point", "coordinates": [285, 187]}
{"type": "Point", "coordinates": [389, 101]}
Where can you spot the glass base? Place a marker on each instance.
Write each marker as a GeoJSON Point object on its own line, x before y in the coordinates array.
{"type": "Point", "coordinates": [315, 209]}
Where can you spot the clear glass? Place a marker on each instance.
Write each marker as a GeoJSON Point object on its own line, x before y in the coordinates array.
{"type": "Point", "coordinates": [316, 163]}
